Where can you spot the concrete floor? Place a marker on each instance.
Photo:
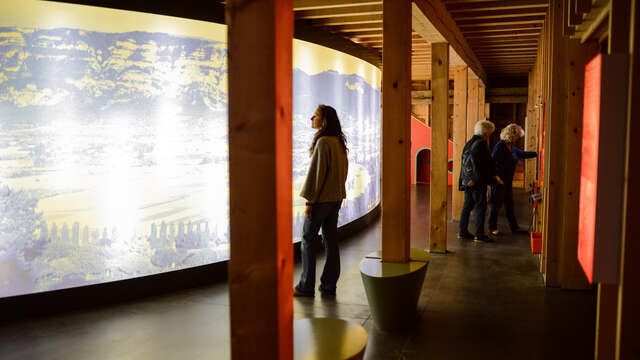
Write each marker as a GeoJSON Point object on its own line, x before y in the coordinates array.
{"type": "Point", "coordinates": [481, 301]}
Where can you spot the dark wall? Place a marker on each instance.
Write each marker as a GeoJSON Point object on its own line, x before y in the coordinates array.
{"type": "Point", "coordinates": [204, 10]}
{"type": "Point", "coordinates": [505, 114]}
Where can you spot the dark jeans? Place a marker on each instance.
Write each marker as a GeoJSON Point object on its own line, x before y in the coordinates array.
{"type": "Point", "coordinates": [323, 215]}
{"type": "Point", "coordinates": [474, 197]}
{"type": "Point", "coordinates": [502, 194]}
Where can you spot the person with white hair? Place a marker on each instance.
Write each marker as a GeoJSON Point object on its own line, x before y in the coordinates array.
{"type": "Point", "coordinates": [477, 172]}
{"type": "Point", "coordinates": [506, 156]}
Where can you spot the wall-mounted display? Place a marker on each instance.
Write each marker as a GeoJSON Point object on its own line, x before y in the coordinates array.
{"type": "Point", "coordinates": [113, 142]}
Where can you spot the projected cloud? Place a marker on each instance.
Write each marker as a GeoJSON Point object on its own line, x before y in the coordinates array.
{"type": "Point", "coordinates": [114, 152]}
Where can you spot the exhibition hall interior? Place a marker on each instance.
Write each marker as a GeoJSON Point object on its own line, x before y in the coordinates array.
{"type": "Point", "coordinates": [293, 179]}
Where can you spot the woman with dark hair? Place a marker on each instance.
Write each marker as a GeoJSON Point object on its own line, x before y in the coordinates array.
{"type": "Point", "coordinates": [324, 190]}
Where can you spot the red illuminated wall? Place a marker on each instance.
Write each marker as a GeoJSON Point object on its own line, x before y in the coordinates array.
{"type": "Point", "coordinates": [421, 139]}
{"type": "Point", "coordinates": [589, 169]}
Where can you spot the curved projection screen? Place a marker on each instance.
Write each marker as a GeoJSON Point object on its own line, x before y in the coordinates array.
{"type": "Point", "coordinates": [113, 142]}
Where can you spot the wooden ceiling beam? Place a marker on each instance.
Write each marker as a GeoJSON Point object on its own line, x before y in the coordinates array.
{"type": "Point", "coordinates": [348, 20]}
{"type": "Point", "coordinates": [509, 27]}
{"type": "Point", "coordinates": [525, 56]}
{"type": "Point", "coordinates": [487, 49]}
{"type": "Point", "coordinates": [501, 21]}
{"type": "Point", "coordinates": [416, 39]}
{"type": "Point", "coordinates": [498, 46]}
{"type": "Point", "coordinates": [370, 34]}
{"type": "Point", "coordinates": [513, 60]}
{"type": "Point", "coordinates": [495, 5]}
{"type": "Point", "coordinates": [511, 35]}
{"type": "Point", "coordinates": [490, 14]}
{"type": "Point", "coordinates": [493, 41]}
{"type": "Point", "coordinates": [357, 28]}
{"type": "Point", "coordinates": [341, 11]}
{"type": "Point", "coordinates": [510, 52]}
{"type": "Point", "coordinates": [514, 69]}
{"type": "Point", "coordinates": [509, 66]}
{"type": "Point", "coordinates": [326, 4]}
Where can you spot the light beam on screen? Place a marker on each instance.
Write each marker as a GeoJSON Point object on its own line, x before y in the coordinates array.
{"type": "Point", "coordinates": [121, 188]}
{"type": "Point", "coordinates": [67, 170]}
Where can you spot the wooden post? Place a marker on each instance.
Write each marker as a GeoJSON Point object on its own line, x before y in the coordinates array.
{"type": "Point", "coordinates": [472, 106]}
{"type": "Point", "coordinates": [439, 146]}
{"type": "Point", "coordinates": [610, 341]}
{"type": "Point", "coordinates": [487, 111]}
{"type": "Point", "coordinates": [554, 151]}
{"type": "Point", "coordinates": [460, 79]}
{"type": "Point", "coordinates": [481, 93]}
{"type": "Point", "coordinates": [628, 346]}
{"type": "Point", "coordinates": [261, 254]}
{"type": "Point", "coordinates": [571, 274]}
{"type": "Point", "coordinates": [540, 98]}
{"type": "Point", "coordinates": [396, 131]}
{"type": "Point", "coordinates": [530, 140]}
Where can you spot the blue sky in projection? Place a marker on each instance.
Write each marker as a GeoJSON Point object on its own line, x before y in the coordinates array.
{"type": "Point", "coordinates": [113, 153]}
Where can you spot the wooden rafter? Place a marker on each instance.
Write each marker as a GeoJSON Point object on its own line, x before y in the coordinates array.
{"type": "Point", "coordinates": [501, 21]}
{"type": "Point", "coordinates": [348, 20]}
{"type": "Point", "coordinates": [536, 27]}
{"type": "Point", "coordinates": [341, 11]}
{"type": "Point", "coordinates": [495, 5]}
{"type": "Point", "coordinates": [326, 4]}
{"type": "Point", "coordinates": [539, 11]}
{"type": "Point", "coordinates": [501, 36]}
{"type": "Point", "coordinates": [438, 16]}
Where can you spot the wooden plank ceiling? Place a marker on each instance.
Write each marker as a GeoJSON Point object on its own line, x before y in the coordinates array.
{"type": "Point", "coordinates": [502, 33]}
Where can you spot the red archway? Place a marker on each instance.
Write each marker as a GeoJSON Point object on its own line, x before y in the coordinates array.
{"type": "Point", "coordinates": [423, 175]}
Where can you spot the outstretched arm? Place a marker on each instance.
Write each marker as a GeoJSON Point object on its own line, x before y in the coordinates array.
{"type": "Point", "coordinates": [525, 154]}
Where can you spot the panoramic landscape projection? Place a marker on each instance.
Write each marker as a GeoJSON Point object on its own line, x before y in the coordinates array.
{"type": "Point", "coordinates": [113, 142]}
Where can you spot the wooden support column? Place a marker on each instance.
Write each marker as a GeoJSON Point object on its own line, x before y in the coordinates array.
{"type": "Point", "coordinates": [487, 110]}
{"type": "Point", "coordinates": [472, 106]}
{"type": "Point", "coordinates": [460, 79]}
{"type": "Point", "coordinates": [571, 274]}
{"type": "Point", "coordinates": [530, 140]}
{"type": "Point", "coordinates": [609, 334]}
{"type": "Point", "coordinates": [260, 37]}
{"type": "Point", "coordinates": [481, 95]}
{"type": "Point", "coordinates": [555, 150]}
{"type": "Point", "coordinates": [396, 131]}
{"type": "Point", "coordinates": [540, 98]}
{"type": "Point", "coordinates": [628, 346]}
{"type": "Point", "coordinates": [439, 147]}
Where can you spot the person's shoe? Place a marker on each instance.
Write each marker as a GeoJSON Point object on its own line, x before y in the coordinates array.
{"type": "Point", "coordinates": [298, 293]}
{"type": "Point", "coordinates": [496, 233]}
{"type": "Point", "coordinates": [483, 238]}
{"type": "Point", "coordinates": [326, 292]}
{"type": "Point", "coordinates": [465, 236]}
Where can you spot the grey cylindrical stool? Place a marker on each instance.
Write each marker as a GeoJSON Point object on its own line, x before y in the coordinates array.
{"type": "Point", "coordinates": [393, 289]}
{"type": "Point", "coordinates": [328, 338]}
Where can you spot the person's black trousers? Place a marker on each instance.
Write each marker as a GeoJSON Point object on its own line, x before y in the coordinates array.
{"type": "Point", "coordinates": [502, 194]}
{"type": "Point", "coordinates": [474, 197]}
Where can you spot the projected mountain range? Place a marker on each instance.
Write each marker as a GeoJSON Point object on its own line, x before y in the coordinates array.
{"type": "Point", "coordinates": [114, 153]}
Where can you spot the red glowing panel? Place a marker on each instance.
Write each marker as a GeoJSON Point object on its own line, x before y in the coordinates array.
{"type": "Point", "coordinates": [589, 170]}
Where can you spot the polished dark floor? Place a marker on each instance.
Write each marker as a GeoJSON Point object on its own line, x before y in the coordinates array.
{"type": "Point", "coordinates": [481, 301]}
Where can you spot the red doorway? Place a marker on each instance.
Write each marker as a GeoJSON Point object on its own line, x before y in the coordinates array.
{"type": "Point", "coordinates": [423, 158]}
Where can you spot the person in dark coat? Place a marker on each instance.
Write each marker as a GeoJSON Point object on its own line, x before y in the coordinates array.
{"type": "Point", "coordinates": [506, 156]}
{"type": "Point", "coordinates": [477, 172]}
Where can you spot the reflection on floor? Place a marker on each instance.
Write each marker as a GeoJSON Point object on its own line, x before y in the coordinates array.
{"type": "Point", "coordinates": [482, 301]}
